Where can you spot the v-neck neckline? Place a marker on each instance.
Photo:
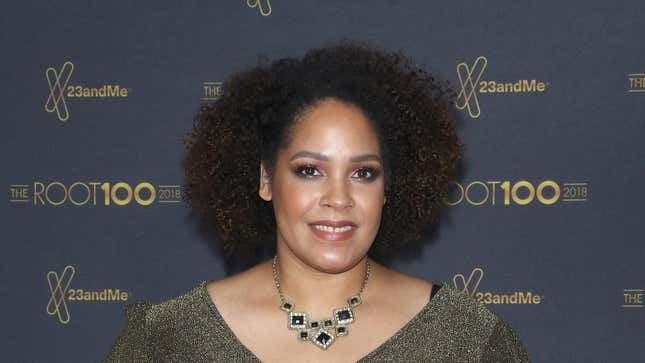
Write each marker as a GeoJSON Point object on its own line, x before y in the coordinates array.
{"type": "Point", "coordinates": [414, 320]}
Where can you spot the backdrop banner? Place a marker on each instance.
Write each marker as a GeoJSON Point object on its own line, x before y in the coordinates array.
{"type": "Point", "coordinates": [544, 224]}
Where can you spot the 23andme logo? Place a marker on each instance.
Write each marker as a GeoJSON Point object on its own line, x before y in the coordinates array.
{"type": "Point", "coordinates": [472, 85]}
{"type": "Point", "coordinates": [58, 285]}
{"type": "Point", "coordinates": [61, 294]}
{"type": "Point", "coordinates": [60, 90]}
{"type": "Point", "coordinates": [58, 81]}
{"type": "Point", "coordinates": [471, 287]}
{"type": "Point", "coordinates": [263, 5]}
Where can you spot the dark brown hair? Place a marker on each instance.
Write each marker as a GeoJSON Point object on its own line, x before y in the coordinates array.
{"type": "Point", "coordinates": [411, 112]}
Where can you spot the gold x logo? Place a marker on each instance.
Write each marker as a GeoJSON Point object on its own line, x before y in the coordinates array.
{"type": "Point", "coordinates": [58, 81]}
{"type": "Point", "coordinates": [467, 97]}
{"type": "Point", "coordinates": [460, 282]}
{"type": "Point", "coordinates": [58, 286]}
{"type": "Point", "coordinates": [265, 11]}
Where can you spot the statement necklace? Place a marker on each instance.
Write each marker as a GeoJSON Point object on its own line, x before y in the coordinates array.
{"type": "Point", "coordinates": [323, 332]}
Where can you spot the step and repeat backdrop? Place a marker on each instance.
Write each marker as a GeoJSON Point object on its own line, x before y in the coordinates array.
{"type": "Point", "coordinates": [544, 224]}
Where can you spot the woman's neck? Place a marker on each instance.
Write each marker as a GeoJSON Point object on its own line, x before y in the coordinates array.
{"type": "Point", "coordinates": [315, 290]}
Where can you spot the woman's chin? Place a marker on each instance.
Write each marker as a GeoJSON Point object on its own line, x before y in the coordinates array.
{"type": "Point", "coordinates": [333, 261]}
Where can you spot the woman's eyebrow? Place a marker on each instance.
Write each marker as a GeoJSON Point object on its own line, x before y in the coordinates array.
{"type": "Point", "coordinates": [319, 156]}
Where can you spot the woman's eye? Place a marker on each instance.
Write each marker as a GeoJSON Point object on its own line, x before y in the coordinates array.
{"type": "Point", "coordinates": [307, 171]}
{"type": "Point", "coordinates": [367, 173]}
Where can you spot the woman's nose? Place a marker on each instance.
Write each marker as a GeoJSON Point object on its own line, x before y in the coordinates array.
{"type": "Point", "coordinates": [337, 195]}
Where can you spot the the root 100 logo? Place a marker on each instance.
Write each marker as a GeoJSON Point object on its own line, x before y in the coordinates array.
{"type": "Point", "coordinates": [94, 193]}
{"type": "Point", "coordinates": [61, 294]}
{"type": "Point", "coordinates": [470, 286]}
{"type": "Point", "coordinates": [472, 84]}
{"type": "Point", "coordinates": [60, 90]}
{"type": "Point", "coordinates": [521, 192]}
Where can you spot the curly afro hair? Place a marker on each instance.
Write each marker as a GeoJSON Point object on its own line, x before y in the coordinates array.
{"type": "Point", "coordinates": [411, 112]}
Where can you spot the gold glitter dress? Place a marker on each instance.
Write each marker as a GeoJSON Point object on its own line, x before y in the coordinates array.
{"type": "Point", "coordinates": [452, 327]}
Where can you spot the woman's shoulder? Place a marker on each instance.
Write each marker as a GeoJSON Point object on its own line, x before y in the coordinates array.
{"type": "Point", "coordinates": [452, 303]}
{"type": "Point", "coordinates": [459, 317]}
{"type": "Point", "coordinates": [171, 311]}
{"type": "Point", "coordinates": [445, 305]}
{"type": "Point", "coordinates": [149, 323]}
{"type": "Point", "coordinates": [196, 303]}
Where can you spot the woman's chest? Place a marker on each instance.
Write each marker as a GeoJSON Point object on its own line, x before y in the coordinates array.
{"type": "Point", "coordinates": [269, 339]}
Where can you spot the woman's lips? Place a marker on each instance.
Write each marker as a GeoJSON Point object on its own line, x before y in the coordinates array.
{"type": "Point", "coordinates": [332, 233]}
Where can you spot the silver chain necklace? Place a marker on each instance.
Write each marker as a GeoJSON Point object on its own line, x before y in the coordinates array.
{"type": "Point", "coordinates": [323, 332]}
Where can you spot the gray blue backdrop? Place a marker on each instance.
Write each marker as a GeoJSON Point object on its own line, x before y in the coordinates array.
{"type": "Point", "coordinates": [545, 223]}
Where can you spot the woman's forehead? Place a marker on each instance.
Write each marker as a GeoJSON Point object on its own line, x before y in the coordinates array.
{"type": "Point", "coordinates": [334, 126]}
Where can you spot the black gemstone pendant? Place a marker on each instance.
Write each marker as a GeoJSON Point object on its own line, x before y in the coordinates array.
{"type": "Point", "coordinates": [354, 300]}
{"type": "Point", "coordinates": [297, 320]}
{"type": "Point", "coordinates": [286, 306]}
{"type": "Point", "coordinates": [323, 339]}
{"type": "Point", "coordinates": [344, 315]}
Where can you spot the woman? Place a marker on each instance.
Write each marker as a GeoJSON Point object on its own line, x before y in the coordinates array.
{"type": "Point", "coordinates": [350, 151]}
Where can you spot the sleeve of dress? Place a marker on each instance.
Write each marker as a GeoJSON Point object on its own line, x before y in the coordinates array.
{"type": "Point", "coordinates": [133, 343]}
{"type": "Point", "coordinates": [504, 346]}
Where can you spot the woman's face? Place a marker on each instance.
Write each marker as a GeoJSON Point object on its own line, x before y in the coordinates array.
{"type": "Point", "coordinates": [332, 171]}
